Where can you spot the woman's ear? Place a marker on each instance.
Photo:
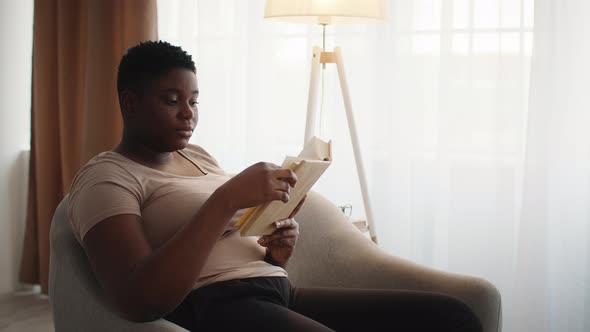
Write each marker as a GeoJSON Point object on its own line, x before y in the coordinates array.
{"type": "Point", "coordinates": [128, 104]}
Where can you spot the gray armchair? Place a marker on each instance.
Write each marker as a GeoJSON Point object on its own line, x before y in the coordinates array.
{"type": "Point", "coordinates": [330, 252]}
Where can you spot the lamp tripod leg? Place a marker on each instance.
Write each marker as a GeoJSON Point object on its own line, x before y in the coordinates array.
{"type": "Point", "coordinates": [355, 143]}
{"type": "Point", "coordinates": [311, 118]}
{"type": "Point", "coordinates": [312, 97]}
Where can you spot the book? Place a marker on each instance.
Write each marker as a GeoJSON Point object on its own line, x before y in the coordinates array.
{"type": "Point", "coordinates": [309, 166]}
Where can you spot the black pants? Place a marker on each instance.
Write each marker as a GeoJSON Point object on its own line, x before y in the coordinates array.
{"type": "Point", "coordinates": [271, 304]}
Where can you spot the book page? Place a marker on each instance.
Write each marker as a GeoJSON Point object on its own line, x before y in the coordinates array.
{"type": "Point", "coordinates": [316, 149]}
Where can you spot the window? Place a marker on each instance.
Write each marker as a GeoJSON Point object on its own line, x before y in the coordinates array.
{"type": "Point", "coordinates": [472, 27]}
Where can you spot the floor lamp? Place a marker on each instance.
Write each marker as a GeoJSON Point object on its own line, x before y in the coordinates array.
{"type": "Point", "coordinates": [328, 12]}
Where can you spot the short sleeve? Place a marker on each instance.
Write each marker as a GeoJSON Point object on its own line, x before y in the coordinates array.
{"type": "Point", "coordinates": [100, 193]}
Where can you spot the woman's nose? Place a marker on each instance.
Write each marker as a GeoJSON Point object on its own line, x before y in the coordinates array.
{"type": "Point", "coordinates": [187, 112]}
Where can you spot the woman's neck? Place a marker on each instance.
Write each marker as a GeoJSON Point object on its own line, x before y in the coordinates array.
{"type": "Point", "coordinates": [142, 153]}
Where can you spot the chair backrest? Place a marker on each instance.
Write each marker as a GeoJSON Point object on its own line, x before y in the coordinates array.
{"type": "Point", "coordinates": [77, 302]}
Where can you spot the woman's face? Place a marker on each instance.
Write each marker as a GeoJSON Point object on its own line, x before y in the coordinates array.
{"type": "Point", "coordinates": [166, 112]}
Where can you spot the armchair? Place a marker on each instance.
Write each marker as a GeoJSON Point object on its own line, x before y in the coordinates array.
{"type": "Point", "coordinates": [330, 252]}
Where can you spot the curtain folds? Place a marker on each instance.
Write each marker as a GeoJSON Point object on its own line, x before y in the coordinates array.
{"type": "Point", "coordinates": [552, 268]}
{"type": "Point", "coordinates": [75, 114]}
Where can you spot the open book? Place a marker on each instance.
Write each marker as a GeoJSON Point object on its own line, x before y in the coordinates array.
{"type": "Point", "coordinates": [311, 163]}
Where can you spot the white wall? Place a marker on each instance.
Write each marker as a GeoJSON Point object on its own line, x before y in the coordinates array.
{"type": "Point", "coordinates": [16, 38]}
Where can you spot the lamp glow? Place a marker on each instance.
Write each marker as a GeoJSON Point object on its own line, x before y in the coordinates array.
{"type": "Point", "coordinates": [326, 11]}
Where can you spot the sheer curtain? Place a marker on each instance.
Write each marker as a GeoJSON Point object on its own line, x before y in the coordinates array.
{"type": "Point", "coordinates": [552, 288]}
{"type": "Point", "coordinates": [467, 173]}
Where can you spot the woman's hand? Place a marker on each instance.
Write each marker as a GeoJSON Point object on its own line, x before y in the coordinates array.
{"type": "Point", "coordinates": [281, 243]}
{"type": "Point", "coordinates": [258, 184]}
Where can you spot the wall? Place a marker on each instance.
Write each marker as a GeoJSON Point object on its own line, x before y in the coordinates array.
{"type": "Point", "coordinates": [16, 38]}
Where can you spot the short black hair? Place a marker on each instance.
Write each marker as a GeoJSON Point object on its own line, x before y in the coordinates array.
{"type": "Point", "coordinates": [150, 60]}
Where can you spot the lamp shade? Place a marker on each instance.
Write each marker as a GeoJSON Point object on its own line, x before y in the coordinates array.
{"type": "Point", "coordinates": [326, 11]}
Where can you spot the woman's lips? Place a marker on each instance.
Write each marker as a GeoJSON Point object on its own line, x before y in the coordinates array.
{"type": "Point", "coordinates": [184, 132]}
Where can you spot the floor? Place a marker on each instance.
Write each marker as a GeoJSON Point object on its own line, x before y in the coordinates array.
{"type": "Point", "coordinates": [20, 312]}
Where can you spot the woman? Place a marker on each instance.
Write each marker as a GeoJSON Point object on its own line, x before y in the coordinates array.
{"type": "Point", "coordinates": [156, 219]}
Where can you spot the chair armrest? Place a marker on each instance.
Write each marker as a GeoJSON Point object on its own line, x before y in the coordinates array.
{"type": "Point", "coordinates": [331, 252]}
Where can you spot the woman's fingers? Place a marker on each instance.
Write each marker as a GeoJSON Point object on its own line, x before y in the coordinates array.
{"type": "Point", "coordinates": [287, 229]}
{"type": "Point", "coordinates": [278, 190]}
{"type": "Point", "coordinates": [282, 241]}
{"type": "Point", "coordinates": [286, 175]}
{"type": "Point", "coordinates": [281, 185]}
{"type": "Point", "coordinates": [278, 234]}
{"type": "Point", "coordinates": [286, 198]}
{"type": "Point", "coordinates": [286, 223]}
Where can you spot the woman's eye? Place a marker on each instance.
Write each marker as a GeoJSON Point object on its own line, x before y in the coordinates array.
{"type": "Point", "coordinates": [194, 103]}
{"type": "Point", "coordinates": [171, 101]}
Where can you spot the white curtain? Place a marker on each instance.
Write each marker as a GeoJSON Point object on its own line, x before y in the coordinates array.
{"type": "Point", "coordinates": [552, 270]}
{"type": "Point", "coordinates": [467, 172]}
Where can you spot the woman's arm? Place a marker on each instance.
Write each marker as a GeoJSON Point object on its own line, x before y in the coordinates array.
{"type": "Point", "coordinates": [147, 284]}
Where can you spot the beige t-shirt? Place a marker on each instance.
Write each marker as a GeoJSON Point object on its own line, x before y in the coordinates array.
{"type": "Point", "coordinates": [111, 184]}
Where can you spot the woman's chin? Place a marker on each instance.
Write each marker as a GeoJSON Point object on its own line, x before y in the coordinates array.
{"type": "Point", "coordinates": [183, 137]}
{"type": "Point", "coordinates": [178, 144]}
{"type": "Point", "coordinates": [181, 145]}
